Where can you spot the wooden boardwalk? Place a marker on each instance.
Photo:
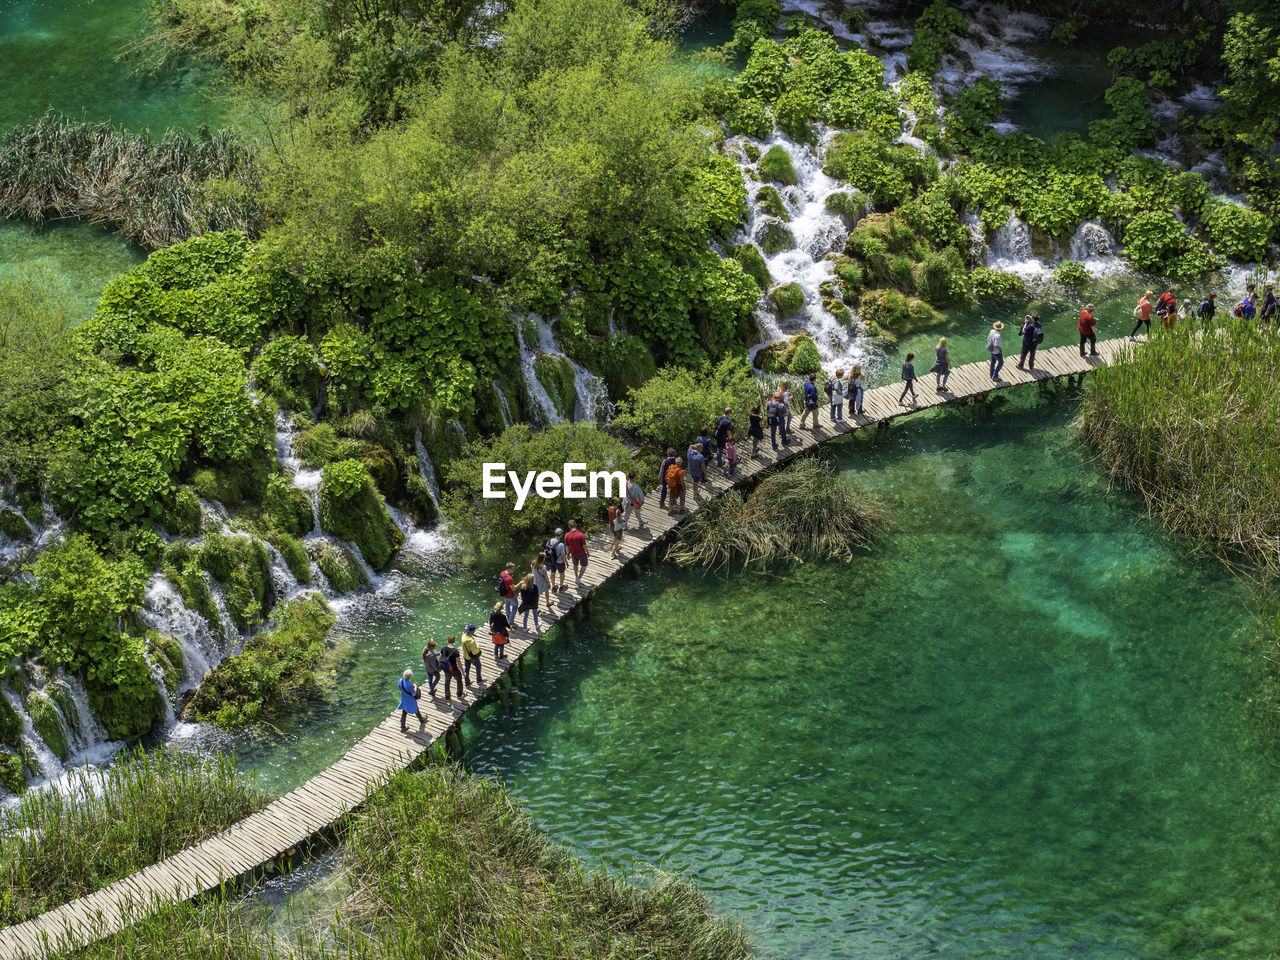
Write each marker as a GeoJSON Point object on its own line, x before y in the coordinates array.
{"type": "Point", "coordinates": [302, 814]}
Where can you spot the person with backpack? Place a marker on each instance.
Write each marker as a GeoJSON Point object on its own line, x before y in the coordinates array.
{"type": "Point", "coordinates": [1270, 310]}
{"type": "Point", "coordinates": [506, 587]}
{"type": "Point", "coordinates": [908, 380]}
{"type": "Point", "coordinates": [1032, 337]}
{"type": "Point", "coordinates": [499, 632]}
{"type": "Point", "coordinates": [451, 663]}
{"type": "Point", "coordinates": [724, 427]}
{"type": "Point", "coordinates": [731, 453]}
{"type": "Point", "coordinates": [707, 447]}
{"type": "Point", "coordinates": [635, 499]}
{"type": "Point", "coordinates": [575, 542]}
{"type": "Point", "coordinates": [674, 480]}
{"type": "Point", "coordinates": [431, 661]}
{"type": "Point", "coordinates": [1088, 327]}
{"type": "Point", "coordinates": [941, 365]}
{"type": "Point", "coordinates": [553, 554]}
{"type": "Point", "coordinates": [1168, 301]}
{"type": "Point", "coordinates": [835, 395]}
{"type": "Point", "coordinates": [538, 570]}
{"type": "Point", "coordinates": [663, 467]}
{"type": "Point", "coordinates": [856, 389]}
{"type": "Point", "coordinates": [529, 604]}
{"type": "Point", "coordinates": [409, 694]}
{"type": "Point", "coordinates": [617, 524]}
{"type": "Point", "coordinates": [777, 413]}
{"type": "Point", "coordinates": [471, 654]}
{"type": "Point", "coordinates": [1246, 309]}
{"type": "Point", "coordinates": [1143, 314]}
{"type": "Point", "coordinates": [810, 403]}
{"type": "Point", "coordinates": [1208, 306]}
{"type": "Point", "coordinates": [755, 429]}
{"type": "Point", "coordinates": [995, 347]}
{"type": "Point", "coordinates": [697, 467]}
{"type": "Point", "coordinates": [784, 397]}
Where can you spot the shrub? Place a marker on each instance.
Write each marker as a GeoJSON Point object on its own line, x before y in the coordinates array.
{"type": "Point", "coordinates": [941, 278]}
{"type": "Point", "coordinates": [317, 445]}
{"type": "Point", "coordinates": [805, 360]}
{"type": "Point", "coordinates": [183, 518]}
{"type": "Point", "coordinates": [788, 299]}
{"type": "Point", "coordinates": [887, 174]}
{"type": "Point", "coordinates": [288, 369]}
{"type": "Point", "coordinates": [671, 408]}
{"type": "Point", "coordinates": [165, 652]}
{"type": "Point", "coordinates": [995, 286]}
{"type": "Point", "coordinates": [1071, 274]}
{"type": "Point", "coordinates": [937, 30]}
{"type": "Point", "coordinates": [776, 166]}
{"type": "Point", "coordinates": [352, 509]}
{"type": "Point", "coordinates": [11, 778]}
{"type": "Point", "coordinates": [1236, 231]}
{"type": "Point", "coordinates": [1156, 241]}
{"type": "Point", "coordinates": [123, 693]}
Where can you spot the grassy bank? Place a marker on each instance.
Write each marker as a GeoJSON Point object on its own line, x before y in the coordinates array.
{"type": "Point", "coordinates": [444, 865]}
{"type": "Point", "coordinates": [58, 846]}
{"type": "Point", "coordinates": [1193, 424]}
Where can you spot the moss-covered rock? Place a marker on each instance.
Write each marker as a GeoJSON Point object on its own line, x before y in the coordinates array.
{"type": "Point", "coordinates": [417, 501]}
{"type": "Point", "coordinates": [788, 299]}
{"type": "Point", "coordinates": [340, 568]}
{"type": "Point", "coordinates": [287, 508]}
{"type": "Point", "coordinates": [995, 286]}
{"type": "Point", "coordinates": [753, 265]}
{"type": "Point", "coordinates": [316, 445]}
{"type": "Point", "coordinates": [556, 376]}
{"type": "Point", "coordinates": [751, 151]}
{"type": "Point", "coordinates": [182, 518]}
{"type": "Point", "coordinates": [11, 778]}
{"type": "Point", "coordinates": [165, 651]}
{"type": "Point", "coordinates": [850, 207]}
{"type": "Point", "coordinates": [381, 465]}
{"type": "Point", "coordinates": [294, 554]}
{"type": "Point", "coordinates": [776, 167]}
{"type": "Point", "coordinates": [181, 567]}
{"type": "Point", "coordinates": [47, 721]}
{"type": "Point", "coordinates": [10, 724]}
{"type": "Point", "coordinates": [775, 237]}
{"type": "Point", "coordinates": [14, 525]}
{"type": "Point", "coordinates": [779, 356]}
{"type": "Point", "coordinates": [805, 360]}
{"type": "Point", "coordinates": [352, 509]}
{"type": "Point", "coordinates": [60, 692]}
{"type": "Point", "coordinates": [123, 695]}
{"type": "Point", "coordinates": [770, 200]}
{"type": "Point", "coordinates": [893, 311]}
{"type": "Point", "coordinates": [243, 565]}
{"type": "Point", "coordinates": [838, 310]}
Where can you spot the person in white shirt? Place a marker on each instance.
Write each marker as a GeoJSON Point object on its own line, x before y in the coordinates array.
{"type": "Point", "coordinates": [635, 499]}
{"type": "Point", "coordinates": [995, 347]}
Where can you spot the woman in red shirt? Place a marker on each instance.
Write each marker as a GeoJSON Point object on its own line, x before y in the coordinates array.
{"type": "Point", "coordinates": [1088, 330]}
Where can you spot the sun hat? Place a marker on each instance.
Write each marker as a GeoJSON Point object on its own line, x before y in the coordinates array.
{"type": "Point", "coordinates": [998, 325]}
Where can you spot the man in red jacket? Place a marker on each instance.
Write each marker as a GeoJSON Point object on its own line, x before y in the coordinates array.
{"type": "Point", "coordinates": [575, 542]}
{"type": "Point", "coordinates": [1088, 330]}
{"type": "Point", "coordinates": [508, 580]}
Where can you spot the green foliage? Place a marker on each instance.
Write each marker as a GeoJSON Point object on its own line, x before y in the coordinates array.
{"type": "Point", "coordinates": [1071, 274]}
{"type": "Point", "coordinates": [776, 166]}
{"type": "Point", "coordinates": [14, 525]}
{"type": "Point", "coordinates": [771, 201]}
{"type": "Point", "coordinates": [805, 360]}
{"type": "Point", "coordinates": [294, 554]}
{"type": "Point", "coordinates": [275, 665]}
{"type": "Point", "coordinates": [164, 650]}
{"type": "Point", "coordinates": [338, 565]}
{"type": "Point", "coordinates": [122, 692]}
{"type": "Point", "coordinates": [774, 238]}
{"type": "Point", "coordinates": [753, 265]}
{"type": "Point", "coordinates": [1131, 125]}
{"type": "Point", "coordinates": [287, 508]}
{"type": "Point", "coordinates": [894, 311]}
{"type": "Point", "coordinates": [287, 368]}
{"type": "Point", "coordinates": [887, 174]}
{"type": "Point", "coordinates": [47, 722]}
{"type": "Point", "coordinates": [672, 407]}
{"type": "Point", "coordinates": [183, 516]}
{"type": "Point", "coordinates": [942, 278]}
{"type": "Point", "coordinates": [556, 374]}
{"type": "Point", "coordinates": [11, 778]}
{"type": "Point", "coordinates": [10, 724]}
{"type": "Point", "coordinates": [317, 445]}
{"type": "Point", "coordinates": [1065, 33]}
{"type": "Point", "coordinates": [788, 299]}
{"type": "Point", "coordinates": [1156, 241]}
{"type": "Point", "coordinates": [971, 112]}
{"type": "Point", "coordinates": [994, 286]}
{"type": "Point", "coordinates": [1236, 231]}
{"type": "Point", "coordinates": [849, 205]}
{"type": "Point", "coordinates": [351, 508]}
{"type": "Point", "coordinates": [937, 33]}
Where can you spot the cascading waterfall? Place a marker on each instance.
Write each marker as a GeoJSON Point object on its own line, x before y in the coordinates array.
{"type": "Point", "coordinates": [1010, 250]}
{"type": "Point", "coordinates": [590, 394]}
{"type": "Point", "coordinates": [166, 613]}
{"type": "Point", "coordinates": [504, 407]}
{"type": "Point", "coordinates": [426, 468]}
{"type": "Point", "coordinates": [1095, 247]}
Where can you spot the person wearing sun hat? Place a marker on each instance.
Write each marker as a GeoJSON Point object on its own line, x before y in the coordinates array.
{"type": "Point", "coordinates": [995, 347]}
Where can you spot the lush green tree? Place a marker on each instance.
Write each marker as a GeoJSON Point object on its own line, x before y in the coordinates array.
{"type": "Point", "coordinates": [677, 404]}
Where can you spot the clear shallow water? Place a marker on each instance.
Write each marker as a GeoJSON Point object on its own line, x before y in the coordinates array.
{"type": "Point", "coordinates": [84, 257]}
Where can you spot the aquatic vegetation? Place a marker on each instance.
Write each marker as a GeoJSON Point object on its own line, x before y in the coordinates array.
{"type": "Point", "coordinates": [937, 33]}
{"type": "Point", "coordinates": [994, 286]}
{"type": "Point", "coordinates": [776, 166]}
{"type": "Point", "coordinates": [58, 845]}
{"type": "Point", "coordinates": [156, 192]}
{"type": "Point", "coordinates": [753, 265]}
{"type": "Point", "coordinates": [807, 511]}
{"type": "Point", "coordinates": [339, 566]}
{"type": "Point", "coordinates": [1199, 441]}
{"type": "Point", "coordinates": [275, 666]}
{"type": "Point", "coordinates": [352, 509]}
{"type": "Point", "coordinates": [788, 299]}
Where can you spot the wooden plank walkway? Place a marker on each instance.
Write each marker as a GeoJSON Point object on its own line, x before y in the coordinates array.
{"type": "Point", "coordinates": [295, 818]}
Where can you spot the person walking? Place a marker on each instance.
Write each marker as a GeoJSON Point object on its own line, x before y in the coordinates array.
{"type": "Point", "coordinates": [856, 389]}
{"type": "Point", "coordinates": [507, 589]}
{"type": "Point", "coordinates": [450, 663]}
{"type": "Point", "coordinates": [697, 472]}
{"type": "Point", "coordinates": [1142, 313]}
{"type": "Point", "coordinates": [908, 380]}
{"type": "Point", "coordinates": [941, 365]}
{"type": "Point", "coordinates": [784, 396]}
{"type": "Point", "coordinates": [431, 661]}
{"type": "Point", "coordinates": [777, 421]}
{"type": "Point", "coordinates": [731, 453]}
{"type": "Point", "coordinates": [724, 427]}
{"type": "Point", "coordinates": [674, 479]}
{"type": "Point", "coordinates": [1208, 306]}
{"type": "Point", "coordinates": [1248, 308]}
{"type": "Point", "coordinates": [409, 694]}
{"type": "Point", "coordinates": [529, 604]}
{"type": "Point", "coordinates": [471, 652]}
{"type": "Point", "coordinates": [553, 553]}
{"type": "Point", "coordinates": [499, 631]}
{"type": "Point", "coordinates": [810, 402]}
{"type": "Point", "coordinates": [755, 429]}
{"type": "Point", "coordinates": [575, 542]}
{"type": "Point", "coordinates": [1270, 309]}
{"type": "Point", "coordinates": [835, 395]}
{"type": "Point", "coordinates": [1168, 301]}
{"type": "Point", "coordinates": [1032, 336]}
{"type": "Point", "coordinates": [538, 570]}
{"type": "Point", "coordinates": [706, 451]}
{"type": "Point", "coordinates": [663, 467]}
{"type": "Point", "coordinates": [617, 524]}
{"type": "Point", "coordinates": [995, 347]}
{"type": "Point", "coordinates": [1088, 327]}
{"type": "Point", "coordinates": [635, 499]}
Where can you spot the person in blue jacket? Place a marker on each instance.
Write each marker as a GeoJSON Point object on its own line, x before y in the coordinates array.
{"type": "Point", "coordinates": [409, 694]}
{"type": "Point", "coordinates": [810, 403]}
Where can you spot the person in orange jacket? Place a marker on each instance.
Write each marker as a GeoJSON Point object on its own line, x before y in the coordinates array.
{"type": "Point", "coordinates": [675, 485]}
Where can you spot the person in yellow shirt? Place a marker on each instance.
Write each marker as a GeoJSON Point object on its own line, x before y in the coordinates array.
{"type": "Point", "coordinates": [471, 653]}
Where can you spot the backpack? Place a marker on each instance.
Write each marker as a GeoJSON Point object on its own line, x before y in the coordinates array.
{"type": "Point", "coordinates": [1239, 310]}
{"type": "Point", "coordinates": [830, 388]}
{"type": "Point", "coordinates": [1037, 334]}
{"type": "Point", "coordinates": [549, 552]}
{"type": "Point", "coordinates": [500, 587]}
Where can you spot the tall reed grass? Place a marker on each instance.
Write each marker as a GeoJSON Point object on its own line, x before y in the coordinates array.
{"type": "Point", "coordinates": [446, 866]}
{"type": "Point", "coordinates": [155, 192]}
{"type": "Point", "coordinates": [58, 845]}
{"type": "Point", "coordinates": [808, 510]}
{"type": "Point", "coordinates": [1192, 422]}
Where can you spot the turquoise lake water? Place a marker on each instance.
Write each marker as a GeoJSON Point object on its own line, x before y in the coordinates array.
{"type": "Point", "coordinates": [1016, 728]}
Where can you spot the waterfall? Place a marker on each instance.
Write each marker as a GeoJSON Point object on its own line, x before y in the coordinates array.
{"type": "Point", "coordinates": [977, 237]}
{"type": "Point", "coordinates": [1010, 250]}
{"type": "Point", "coordinates": [546, 407]}
{"type": "Point", "coordinates": [459, 431]}
{"type": "Point", "coordinates": [300, 476]}
{"type": "Point", "coordinates": [201, 648]}
{"type": "Point", "coordinates": [592, 398]}
{"type": "Point", "coordinates": [416, 539]}
{"type": "Point", "coordinates": [503, 406]}
{"type": "Point", "coordinates": [426, 468]}
{"type": "Point", "coordinates": [1095, 247]}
